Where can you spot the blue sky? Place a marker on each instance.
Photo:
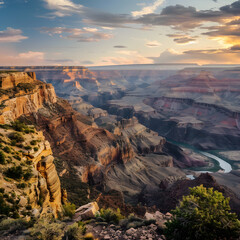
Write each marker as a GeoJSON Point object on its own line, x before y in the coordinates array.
{"type": "Point", "coordinates": [106, 32]}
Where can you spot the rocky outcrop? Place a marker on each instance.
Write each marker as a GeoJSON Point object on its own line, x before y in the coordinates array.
{"type": "Point", "coordinates": [12, 79]}
{"type": "Point", "coordinates": [86, 212]}
{"type": "Point", "coordinates": [41, 188]}
{"type": "Point", "coordinates": [23, 95]}
{"type": "Point", "coordinates": [167, 197]}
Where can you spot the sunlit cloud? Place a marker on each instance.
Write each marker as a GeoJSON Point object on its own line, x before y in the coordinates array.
{"type": "Point", "coordinates": [11, 35]}
{"type": "Point", "coordinates": [21, 59]}
{"type": "Point", "coordinates": [152, 44]}
{"type": "Point", "coordinates": [128, 57]}
{"type": "Point", "coordinates": [183, 39]}
{"type": "Point", "coordinates": [148, 9]}
{"type": "Point", "coordinates": [63, 8]}
{"type": "Point", "coordinates": [205, 56]}
{"type": "Point", "coordinates": [85, 34]}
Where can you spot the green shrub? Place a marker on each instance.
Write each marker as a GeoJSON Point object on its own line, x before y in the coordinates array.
{"type": "Point", "coordinates": [13, 142]}
{"type": "Point", "coordinates": [15, 215]}
{"type": "Point", "coordinates": [204, 214]}
{"type": "Point", "coordinates": [14, 172]}
{"type": "Point", "coordinates": [2, 190]}
{"type": "Point", "coordinates": [27, 87]}
{"type": "Point", "coordinates": [69, 209]}
{"type": "Point", "coordinates": [109, 215]}
{"type": "Point", "coordinates": [19, 126]}
{"type": "Point", "coordinates": [28, 174]}
{"type": "Point", "coordinates": [17, 157]}
{"type": "Point", "coordinates": [45, 229]}
{"type": "Point", "coordinates": [18, 137]}
{"type": "Point", "coordinates": [2, 158]}
{"type": "Point", "coordinates": [4, 207]}
{"type": "Point", "coordinates": [33, 142]}
{"type": "Point", "coordinates": [29, 207]}
{"type": "Point", "coordinates": [21, 185]}
{"type": "Point", "coordinates": [5, 126]}
{"type": "Point", "coordinates": [11, 200]}
{"type": "Point", "coordinates": [7, 149]}
{"type": "Point", "coordinates": [28, 147]}
{"type": "Point", "coordinates": [20, 145]}
{"type": "Point", "coordinates": [35, 149]}
{"type": "Point", "coordinates": [13, 225]}
{"type": "Point", "coordinates": [74, 232]}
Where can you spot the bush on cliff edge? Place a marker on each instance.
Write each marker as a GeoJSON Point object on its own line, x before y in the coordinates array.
{"type": "Point", "coordinates": [204, 214]}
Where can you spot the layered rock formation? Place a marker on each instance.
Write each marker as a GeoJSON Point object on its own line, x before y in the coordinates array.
{"type": "Point", "coordinates": [38, 186]}
{"type": "Point", "coordinates": [194, 107]}
{"type": "Point", "coordinates": [98, 155]}
{"type": "Point", "coordinates": [22, 95]}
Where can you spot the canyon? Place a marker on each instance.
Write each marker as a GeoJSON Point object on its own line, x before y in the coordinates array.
{"type": "Point", "coordinates": [129, 139]}
{"type": "Point", "coordinates": [120, 129]}
{"type": "Point", "coordinates": [101, 156]}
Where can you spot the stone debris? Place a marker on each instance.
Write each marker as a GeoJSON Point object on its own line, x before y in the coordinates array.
{"type": "Point", "coordinates": [86, 211]}
{"type": "Point", "coordinates": [142, 233]}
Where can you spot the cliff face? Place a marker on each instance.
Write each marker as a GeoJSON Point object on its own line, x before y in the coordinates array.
{"type": "Point", "coordinates": [76, 140]}
{"type": "Point", "coordinates": [24, 149]}
{"type": "Point", "coordinates": [28, 171]}
{"type": "Point", "coordinates": [22, 95]}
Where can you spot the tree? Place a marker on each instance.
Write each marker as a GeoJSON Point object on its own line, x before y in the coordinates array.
{"type": "Point", "coordinates": [204, 214]}
{"type": "Point", "coordinates": [2, 157]}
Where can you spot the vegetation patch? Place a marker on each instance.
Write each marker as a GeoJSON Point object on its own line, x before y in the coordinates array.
{"type": "Point", "coordinates": [204, 214]}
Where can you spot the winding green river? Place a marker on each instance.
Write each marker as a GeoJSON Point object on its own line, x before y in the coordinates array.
{"type": "Point", "coordinates": [225, 166]}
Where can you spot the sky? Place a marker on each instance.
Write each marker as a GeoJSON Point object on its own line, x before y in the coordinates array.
{"type": "Point", "coordinates": [116, 32]}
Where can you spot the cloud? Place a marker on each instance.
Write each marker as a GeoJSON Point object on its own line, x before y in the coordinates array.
{"type": "Point", "coordinates": [233, 9]}
{"type": "Point", "coordinates": [182, 38]}
{"type": "Point", "coordinates": [228, 33]}
{"type": "Point", "coordinates": [180, 17]}
{"type": "Point", "coordinates": [87, 62]}
{"type": "Point", "coordinates": [235, 48]}
{"type": "Point", "coordinates": [119, 46]}
{"type": "Point", "coordinates": [177, 17]}
{"type": "Point", "coordinates": [63, 7]}
{"type": "Point", "coordinates": [11, 35]}
{"type": "Point", "coordinates": [1, 3]}
{"type": "Point", "coordinates": [148, 9]}
{"type": "Point", "coordinates": [152, 44]}
{"type": "Point", "coordinates": [57, 61]}
{"type": "Point", "coordinates": [78, 34]}
{"type": "Point", "coordinates": [207, 56]}
{"type": "Point", "coordinates": [125, 58]}
{"type": "Point", "coordinates": [21, 59]}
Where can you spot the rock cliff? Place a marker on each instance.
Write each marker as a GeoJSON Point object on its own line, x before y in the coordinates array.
{"type": "Point", "coordinates": [28, 173]}
{"type": "Point", "coordinates": [22, 95]}
{"type": "Point", "coordinates": [25, 152]}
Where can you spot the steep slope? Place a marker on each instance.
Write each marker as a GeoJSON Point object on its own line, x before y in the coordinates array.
{"type": "Point", "coordinates": [27, 169]}
{"type": "Point", "coordinates": [28, 175]}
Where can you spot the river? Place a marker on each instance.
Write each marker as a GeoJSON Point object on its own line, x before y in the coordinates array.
{"type": "Point", "coordinates": [225, 166]}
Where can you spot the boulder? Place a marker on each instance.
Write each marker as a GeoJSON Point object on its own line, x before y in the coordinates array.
{"type": "Point", "coordinates": [86, 211]}
{"type": "Point", "coordinates": [23, 201]}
